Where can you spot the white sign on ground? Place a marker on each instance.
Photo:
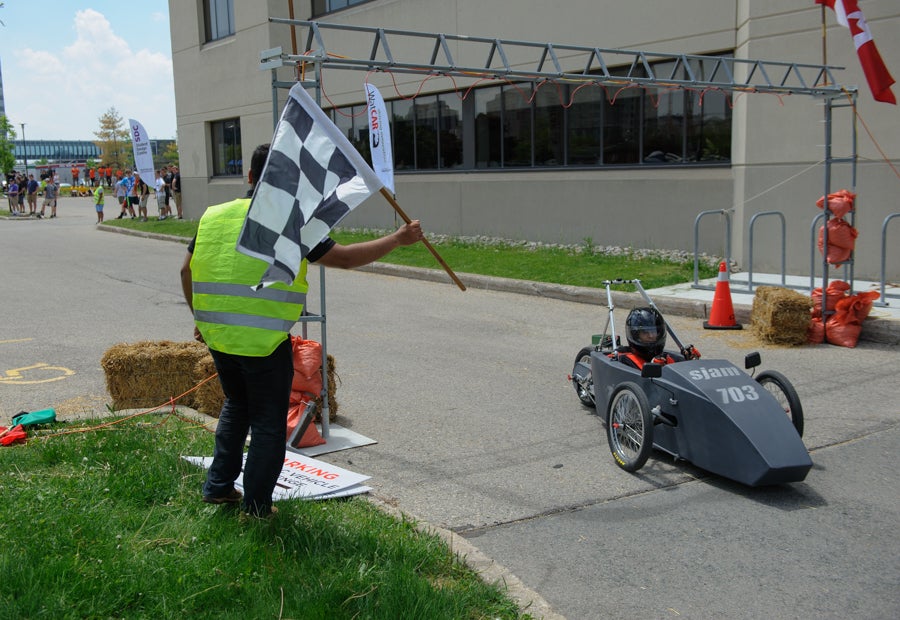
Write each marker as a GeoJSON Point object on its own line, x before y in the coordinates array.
{"type": "Point", "coordinates": [304, 478]}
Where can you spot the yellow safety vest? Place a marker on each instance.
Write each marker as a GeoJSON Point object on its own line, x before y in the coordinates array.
{"type": "Point", "coordinates": [231, 316]}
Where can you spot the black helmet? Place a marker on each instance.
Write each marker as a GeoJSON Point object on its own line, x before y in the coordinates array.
{"type": "Point", "coordinates": [646, 332]}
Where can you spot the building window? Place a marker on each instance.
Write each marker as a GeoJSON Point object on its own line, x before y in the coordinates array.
{"type": "Point", "coordinates": [560, 125]}
{"type": "Point", "coordinates": [226, 148]}
{"type": "Point", "coordinates": [320, 7]}
{"type": "Point", "coordinates": [218, 17]}
{"type": "Point", "coordinates": [488, 128]}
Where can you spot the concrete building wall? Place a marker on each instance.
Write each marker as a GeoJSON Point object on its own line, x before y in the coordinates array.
{"type": "Point", "coordinates": [777, 142]}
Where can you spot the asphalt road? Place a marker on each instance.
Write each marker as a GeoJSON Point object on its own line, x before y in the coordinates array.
{"type": "Point", "coordinates": [480, 433]}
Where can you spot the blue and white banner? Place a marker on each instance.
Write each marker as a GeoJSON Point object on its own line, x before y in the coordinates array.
{"type": "Point", "coordinates": [143, 156]}
{"type": "Point", "coordinates": [380, 137]}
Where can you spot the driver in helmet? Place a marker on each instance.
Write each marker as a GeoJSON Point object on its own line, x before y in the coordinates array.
{"type": "Point", "coordinates": [645, 330]}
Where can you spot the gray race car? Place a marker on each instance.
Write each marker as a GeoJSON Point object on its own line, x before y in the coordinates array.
{"type": "Point", "coordinates": [708, 412]}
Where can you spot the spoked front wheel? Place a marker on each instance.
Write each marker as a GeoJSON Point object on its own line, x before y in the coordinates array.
{"type": "Point", "coordinates": [779, 387]}
{"type": "Point", "coordinates": [629, 427]}
{"type": "Point", "coordinates": [581, 377]}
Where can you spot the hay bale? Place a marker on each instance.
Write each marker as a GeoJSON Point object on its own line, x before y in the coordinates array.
{"type": "Point", "coordinates": [149, 373]}
{"type": "Point", "coordinates": [208, 398]}
{"type": "Point", "coordinates": [780, 315]}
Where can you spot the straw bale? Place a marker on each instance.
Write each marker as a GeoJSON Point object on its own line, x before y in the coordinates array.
{"type": "Point", "coordinates": [780, 315]}
{"type": "Point", "coordinates": [208, 398]}
{"type": "Point", "coordinates": [150, 373]}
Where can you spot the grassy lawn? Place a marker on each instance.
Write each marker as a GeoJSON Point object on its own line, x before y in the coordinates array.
{"type": "Point", "coordinates": [581, 265]}
{"type": "Point", "coordinates": [108, 523]}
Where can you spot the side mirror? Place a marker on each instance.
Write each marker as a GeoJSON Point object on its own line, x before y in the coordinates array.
{"type": "Point", "coordinates": [651, 371]}
{"type": "Point", "coordinates": [752, 360]}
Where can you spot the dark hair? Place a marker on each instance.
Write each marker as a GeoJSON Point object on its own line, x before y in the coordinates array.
{"type": "Point", "coordinates": [258, 161]}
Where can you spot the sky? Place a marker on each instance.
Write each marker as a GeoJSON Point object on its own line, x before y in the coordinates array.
{"type": "Point", "coordinates": [66, 62]}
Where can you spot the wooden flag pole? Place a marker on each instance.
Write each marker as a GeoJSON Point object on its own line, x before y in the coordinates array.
{"type": "Point", "coordinates": [390, 199]}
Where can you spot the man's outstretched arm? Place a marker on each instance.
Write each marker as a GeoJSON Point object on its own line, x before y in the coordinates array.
{"type": "Point", "coordinates": [365, 252]}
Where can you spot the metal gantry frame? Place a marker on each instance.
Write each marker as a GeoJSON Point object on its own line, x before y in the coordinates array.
{"type": "Point", "coordinates": [473, 57]}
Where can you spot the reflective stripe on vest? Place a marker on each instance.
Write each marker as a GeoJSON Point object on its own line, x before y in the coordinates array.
{"type": "Point", "coordinates": [230, 313]}
{"type": "Point", "coordinates": [240, 290]}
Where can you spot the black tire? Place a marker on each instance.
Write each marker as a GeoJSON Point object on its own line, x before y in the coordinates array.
{"type": "Point", "coordinates": [778, 385]}
{"type": "Point", "coordinates": [629, 427]}
{"type": "Point", "coordinates": [584, 388]}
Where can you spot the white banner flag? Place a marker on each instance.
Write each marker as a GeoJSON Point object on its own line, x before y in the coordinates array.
{"type": "Point", "coordinates": [380, 137]}
{"type": "Point", "coordinates": [143, 157]}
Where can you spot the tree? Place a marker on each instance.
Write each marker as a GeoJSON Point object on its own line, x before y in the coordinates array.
{"type": "Point", "coordinates": [170, 155]}
{"type": "Point", "coordinates": [7, 148]}
{"type": "Point", "coordinates": [113, 140]}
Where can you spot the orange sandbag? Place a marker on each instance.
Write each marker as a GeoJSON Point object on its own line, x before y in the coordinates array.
{"type": "Point", "coordinates": [840, 330]}
{"type": "Point", "coordinates": [836, 291]}
{"type": "Point", "coordinates": [840, 203]}
{"type": "Point", "coordinates": [857, 306]}
{"type": "Point", "coordinates": [311, 436]}
{"type": "Point", "coordinates": [307, 368]}
{"type": "Point", "coordinates": [816, 332]}
{"type": "Point", "coordinates": [841, 240]}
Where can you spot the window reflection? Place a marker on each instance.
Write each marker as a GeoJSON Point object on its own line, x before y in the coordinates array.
{"type": "Point", "coordinates": [560, 125]}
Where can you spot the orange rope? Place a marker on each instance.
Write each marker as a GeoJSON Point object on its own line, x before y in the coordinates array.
{"type": "Point", "coordinates": [171, 401]}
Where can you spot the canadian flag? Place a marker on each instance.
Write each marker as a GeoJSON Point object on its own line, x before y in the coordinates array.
{"type": "Point", "coordinates": [848, 15]}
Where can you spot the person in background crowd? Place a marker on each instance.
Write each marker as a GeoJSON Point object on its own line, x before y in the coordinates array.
{"type": "Point", "coordinates": [132, 192]}
{"type": "Point", "coordinates": [159, 185]}
{"type": "Point", "coordinates": [176, 191]}
{"type": "Point", "coordinates": [74, 176]}
{"type": "Point", "coordinates": [12, 192]}
{"type": "Point", "coordinates": [51, 191]}
{"type": "Point", "coordinates": [91, 176]}
{"type": "Point", "coordinates": [32, 192]}
{"type": "Point", "coordinates": [122, 198]}
{"type": "Point", "coordinates": [167, 177]}
{"type": "Point", "coordinates": [23, 187]}
{"type": "Point", "coordinates": [98, 202]}
{"type": "Point", "coordinates": [142, 193]}
{"type": "Point", "coordinates": [108, 173]}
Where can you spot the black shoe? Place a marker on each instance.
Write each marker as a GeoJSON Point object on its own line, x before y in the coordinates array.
{"type": "Point", "coordinates": [234, 497]}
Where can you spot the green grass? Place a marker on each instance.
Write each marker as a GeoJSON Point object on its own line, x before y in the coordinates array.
{"type": "Point", "coordinates": [108, 523]}
{"type": "Point", "coordinates": [578, 265]}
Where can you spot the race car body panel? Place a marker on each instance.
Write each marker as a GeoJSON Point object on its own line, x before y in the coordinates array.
{"type": "Point", "coordinates": [715, 415]}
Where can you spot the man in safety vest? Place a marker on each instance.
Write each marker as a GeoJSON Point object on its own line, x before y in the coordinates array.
{"type": "Point", "coordinates": [247, 333]}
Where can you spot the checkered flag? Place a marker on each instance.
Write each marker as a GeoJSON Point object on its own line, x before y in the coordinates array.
{"type": "Point", "coordinates": [313, 177]}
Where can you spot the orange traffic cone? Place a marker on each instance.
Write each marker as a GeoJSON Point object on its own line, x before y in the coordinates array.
{"type": "Point", "coordinates": [721, 316]}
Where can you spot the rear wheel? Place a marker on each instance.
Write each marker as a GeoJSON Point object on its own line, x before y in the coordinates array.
{"type": "Point", "coordinates": [581, 377]}
{"type": "Point", "coordinates": [779, 387]}
{"type": "Point", "coordinates": [629, 427]}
